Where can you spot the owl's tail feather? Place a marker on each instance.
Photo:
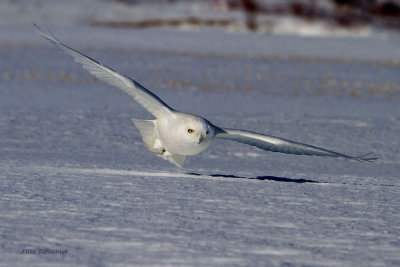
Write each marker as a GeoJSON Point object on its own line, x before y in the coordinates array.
{"type": "Point", "coordinates": [147, 131]}
{"type": "Point", "coordinates": [150, 138]}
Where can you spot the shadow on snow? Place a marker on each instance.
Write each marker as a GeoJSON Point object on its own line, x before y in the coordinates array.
{"type": "Point", "coordinates": [262, 178]}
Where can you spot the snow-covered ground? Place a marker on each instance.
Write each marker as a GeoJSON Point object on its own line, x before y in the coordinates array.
{"type": "Point", "coordinates": [76, 179]}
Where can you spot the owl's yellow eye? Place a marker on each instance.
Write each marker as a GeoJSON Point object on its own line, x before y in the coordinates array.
{"type": "Point", "coordinates": [190, 131]}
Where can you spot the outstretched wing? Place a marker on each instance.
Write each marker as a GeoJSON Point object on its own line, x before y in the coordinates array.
{"type": "Point", "coordinates": [276, 144]}
{"type": "Point", "coordinates": [147, 99]}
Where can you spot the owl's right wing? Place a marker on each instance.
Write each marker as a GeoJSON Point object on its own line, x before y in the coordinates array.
{"type": "Point", "coordinates": [276, 144]}
{"type": "Point", "coordinates": [147, 99]}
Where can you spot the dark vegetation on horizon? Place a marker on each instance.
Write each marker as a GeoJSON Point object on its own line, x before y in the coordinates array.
{"type": "Point", "coordinates": [345, 13]}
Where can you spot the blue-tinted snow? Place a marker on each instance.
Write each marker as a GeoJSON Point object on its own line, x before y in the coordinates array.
{"type": "Point", "coordinates": [75, 174]}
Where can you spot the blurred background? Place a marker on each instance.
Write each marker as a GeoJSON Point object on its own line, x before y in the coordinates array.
{"type": "Point", "coordinates": [307, 17]}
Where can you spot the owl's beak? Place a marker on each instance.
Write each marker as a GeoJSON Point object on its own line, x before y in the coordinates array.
{"type": "Point", "coordinates": [201, 138]}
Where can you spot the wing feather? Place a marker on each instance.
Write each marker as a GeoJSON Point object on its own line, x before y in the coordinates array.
{"type": "Point", "coordinates": [147, 99]}
{"type": "Point", "coordinates": [276, 144]}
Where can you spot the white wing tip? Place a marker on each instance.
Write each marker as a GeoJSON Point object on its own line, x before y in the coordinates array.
{"type": "Point", "coordinates": [49, 36]}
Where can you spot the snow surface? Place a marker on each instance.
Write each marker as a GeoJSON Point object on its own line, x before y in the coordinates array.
{"type": "Point", "coordinates": [75, 175]}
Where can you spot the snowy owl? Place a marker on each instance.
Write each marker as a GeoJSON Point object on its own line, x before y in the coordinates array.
{"type": "Point", "coordinates": [173, 135]}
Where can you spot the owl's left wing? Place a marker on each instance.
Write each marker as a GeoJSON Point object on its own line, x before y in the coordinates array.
{"type": "Point", "coordinates": [276, 144]}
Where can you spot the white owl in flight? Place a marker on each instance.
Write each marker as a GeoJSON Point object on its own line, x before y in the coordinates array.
{"type": "Point", "coordinates": [173, 135]}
